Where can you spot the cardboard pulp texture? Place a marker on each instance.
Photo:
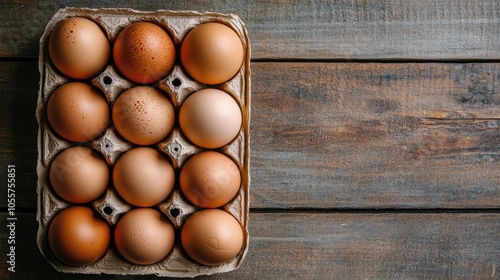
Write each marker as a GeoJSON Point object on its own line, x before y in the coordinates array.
{"type": "Point", "coordinates": [177, 86]}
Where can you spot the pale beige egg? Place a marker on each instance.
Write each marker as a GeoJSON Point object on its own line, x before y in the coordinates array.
{"type": "Point", "coordinates": [210, 118]}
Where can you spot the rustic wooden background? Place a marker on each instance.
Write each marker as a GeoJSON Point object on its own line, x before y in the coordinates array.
{"type": "Point", "coordinates": [375, 136]}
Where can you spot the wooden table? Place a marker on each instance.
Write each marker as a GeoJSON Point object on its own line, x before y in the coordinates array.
{"type": "Point", "coordinates": [375, 136]}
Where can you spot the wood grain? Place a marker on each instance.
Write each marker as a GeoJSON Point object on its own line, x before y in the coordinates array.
{"type": "Point", "coordinates": [293, 29]}
{"type": "Point", "coordinates": [360, 170]}
{"type": "Point", "coordinates": [18, 129]}
{"type": "Point", "coordinates": [335, 135]}
{"type": "Point", "coordinates": [328, 245]}
{"type": "Point", "coordinates": [372, 135]}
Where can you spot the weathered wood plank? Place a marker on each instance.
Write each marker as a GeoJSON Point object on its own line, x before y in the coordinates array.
{"type": "Point", "coordinates": [329, 245]}
{"type": "Point", "coordinates": [338, 29]}
{"type": "Point", "coordinates": [369, 135]}
{"type": "Point", "coordinates": [18, 129]}
{"type": "Point", "coordinates": [334, 135]}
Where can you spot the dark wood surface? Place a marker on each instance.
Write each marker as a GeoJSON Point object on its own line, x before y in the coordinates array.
{"type": "Point", "coordinates": [375, 136]}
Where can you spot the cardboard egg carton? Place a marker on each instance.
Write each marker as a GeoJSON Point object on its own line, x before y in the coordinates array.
{"type": "Point", "coordinates": [177, 86]}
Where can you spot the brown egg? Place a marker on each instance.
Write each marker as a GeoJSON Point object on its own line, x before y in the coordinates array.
{"type": "Point", "coordinates": [144, 236]}
{"type": "Point", "coordinates": [210, 118]}
{"type": "Point", "coordinates": [143, 115]}
{"type": "Point", "coordinates": [143, 52]}
{"type": "Point", "coordinates": [212, 53]}
{"type": "Point", "coordinates": [79, 48]}
{"type": "Point", "coordinates": [210, 179]}
{"type": "Point", "coordinates": [212, 236]}
{"type": "Point", "coordinates": [143, 177]}
{"type": "Point", "coordinates": [78, 112]}
{"type": "Point", "coordinates": [79, 175]}
{"type": "Point", "coordinates": [78, 236]}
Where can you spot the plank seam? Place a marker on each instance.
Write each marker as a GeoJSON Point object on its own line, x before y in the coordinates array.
{"type": "Point", "coordinates": [31, 210]}
{"type": "Point", "coordinates": [371, 60]}
{"type": "Point", "coordinates": [324, 60]}
{"type": "Point", "coordinates": [378, 210]}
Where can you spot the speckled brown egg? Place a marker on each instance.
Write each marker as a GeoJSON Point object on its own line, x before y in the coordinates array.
{"type": "Point", "coordinates": [79, 48]}
{"type": "Point", "coordinates": [79, 175]}
{"type": "Point", "coordinates": [210, 179]}
{"type": "Point", "coordinates": [143, 52]}
{"type": "Point", "coordinates": [212, 53]}
{"type": "Point", "coordinates": [210, 118]}
{"type": "Point", "coordinates": [143, 177]}
{"type": "Point", "coordinates": [143, 115]}
{"type": "Point", "coordinates": [144, 236]}
{"type": "Point", "coordinates": [78, 112]}
{"type": "Point", "coordinates": [78, 236]}
{"type": "Point", "coordinates": [212, 236]}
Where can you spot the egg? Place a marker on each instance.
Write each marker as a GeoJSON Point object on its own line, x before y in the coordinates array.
{"type": "Point", "coordinates": [210, 118]}
{"type": "Point", "coordinates": [79, 175]}
{"type": "Point", "coordinates": [79, 48]}
{"type": "Point", "coordinates": [210, 179]}
{"type": "Point", "coordinates": [212, 53]}
{"type": "Point", "coordinates": [212, 236]}
{"type": "Point", "coordinates": [77, 112]}
{"type": "Point", "coordinates": [144, 236]}
{"type": "Point", "coordinates": [143, 52]}
{"type": "Point", "coordinates": [143, 177]}
{"type": "Point", "coordinates": [143, 115]}
{"type": "Point", "coordinates": [78, 236]}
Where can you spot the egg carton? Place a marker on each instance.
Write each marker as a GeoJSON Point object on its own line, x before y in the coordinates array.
{"type": "Point", "coordinates": [177, 86]}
